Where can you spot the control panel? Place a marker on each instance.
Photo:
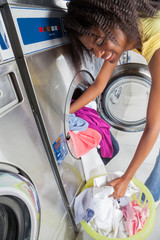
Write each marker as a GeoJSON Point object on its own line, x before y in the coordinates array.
{"type": "Point", "coordinates": [42, 29]}
{"type": "Point", "coordinates": [39, 29]}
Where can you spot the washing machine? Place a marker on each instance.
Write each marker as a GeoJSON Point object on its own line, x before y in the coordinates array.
{"type": "Point", "coordinates": [42, 51]}
{"type": "Point", "coordinates": [32, 201]}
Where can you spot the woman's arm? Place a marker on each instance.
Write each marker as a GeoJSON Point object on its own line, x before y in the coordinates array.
{"type": "Point", "coordinates": [150, 133]}
{"type": "Point", "coordinates": [96, 88]}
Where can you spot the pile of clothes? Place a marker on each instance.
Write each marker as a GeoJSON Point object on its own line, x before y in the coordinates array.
{"type": "Point", "coordinates": [87, 130]}
{"type": "Point", "coordinates": [109, 217]}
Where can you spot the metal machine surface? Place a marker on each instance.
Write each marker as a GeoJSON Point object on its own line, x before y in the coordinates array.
{"type": "Point", "coordinates": [31, 204]}
{"type": "Point", "coordinates": [45, 48]}
{"type": "Point", "coordinates": [46, 70]}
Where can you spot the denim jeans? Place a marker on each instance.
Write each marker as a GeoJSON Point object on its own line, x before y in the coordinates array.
{"type": "Point", "coordinates": [153, 181]}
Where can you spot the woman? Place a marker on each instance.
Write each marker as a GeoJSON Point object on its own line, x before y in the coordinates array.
{"type": "Point", "coordinates": [107, 28]}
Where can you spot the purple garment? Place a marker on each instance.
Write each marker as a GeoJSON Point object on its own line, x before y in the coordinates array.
{"type": "Point", "coordinates": [91, 116]}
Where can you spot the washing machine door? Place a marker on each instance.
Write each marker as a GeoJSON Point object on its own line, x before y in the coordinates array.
{"type": "Point", "coordinates": [82, 80]}
{"type": "Point", "coordinates": [124, 101]}
{"type": "Point", "coordinates": [19, 208]}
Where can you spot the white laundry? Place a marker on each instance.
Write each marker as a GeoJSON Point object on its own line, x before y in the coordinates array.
{"type": "Point", "coordinates": [112, 215]}
{"type": "Point", "coordinates": [105, 179]}
{"type": "Point", "coordinates": [107, 217]}
{"type": "Point", "coordinates": [123, 201]}
{"type": "Point", "coordinates": [121, 231]}
{"type": "Point", "coordinates": [107, 212]}
{"type": "Point", "coordinates": [92, 105]}
{"type": "Point", "coordinates": [83, 206]}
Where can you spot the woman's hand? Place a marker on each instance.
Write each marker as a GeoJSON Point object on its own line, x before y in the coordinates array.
{"type": "Point", "coordinates": [120, 186]}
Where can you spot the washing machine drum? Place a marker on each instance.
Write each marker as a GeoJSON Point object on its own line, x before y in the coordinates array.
{"type": "Point", "coordinates": [19, 208]}
{"type": "Point", "coordinates": [123, 103]}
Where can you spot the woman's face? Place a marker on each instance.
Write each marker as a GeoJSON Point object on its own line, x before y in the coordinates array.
{"type": "Point", "coordinates": [105, 48]}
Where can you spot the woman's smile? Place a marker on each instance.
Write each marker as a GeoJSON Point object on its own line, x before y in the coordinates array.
{"type": "Point", "coordinates": [107, 56]}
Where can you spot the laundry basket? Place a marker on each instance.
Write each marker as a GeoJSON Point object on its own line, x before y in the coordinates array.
{"type": "Point", "coordinates": [148, 227]}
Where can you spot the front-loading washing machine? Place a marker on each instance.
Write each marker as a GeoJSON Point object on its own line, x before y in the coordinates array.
{"type": "Point", "coordinates": [42, 51]}
{"type": "Point", "coordinates": [31, 202]}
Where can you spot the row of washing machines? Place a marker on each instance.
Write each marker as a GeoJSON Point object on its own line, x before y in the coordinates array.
{"type": "Point", "coordinates": [39, 177]}
{"type": "Point", "coordinates": [39, 174]}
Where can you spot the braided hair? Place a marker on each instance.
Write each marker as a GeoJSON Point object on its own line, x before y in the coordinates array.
{"type": "Point", "coordinates": [82, 15]}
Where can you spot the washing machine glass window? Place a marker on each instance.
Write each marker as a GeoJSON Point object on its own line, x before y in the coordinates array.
{"type": "Point", "coordinates": [125, 97]}
{"type": "Point", "coordinates": [12, 212]}
{"type": "Point", "coordinates": [124, 102]}
{"type": "Point", "coordinates": [19, 208]}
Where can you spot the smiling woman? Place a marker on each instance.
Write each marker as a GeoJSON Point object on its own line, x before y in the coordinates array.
{"type": "Point", "coordinates": [107, 28]}
{"type": "Point", "coordinates": [106, 17]}
{"type": "Point", "coordinates": [103, 47]}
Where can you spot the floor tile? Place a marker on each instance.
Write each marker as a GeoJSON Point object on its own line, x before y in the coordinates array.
{"type": "Point", "coordinates": [121, 161]}
{"type": "Point", "coordinates": [131, 138]}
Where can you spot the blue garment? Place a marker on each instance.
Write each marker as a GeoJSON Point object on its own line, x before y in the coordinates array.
{"type": "Point", "coordinates": [77, 123]}
{"type": "Point", "coordinates": [153, 181]}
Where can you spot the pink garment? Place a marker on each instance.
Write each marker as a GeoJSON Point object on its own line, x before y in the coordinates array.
{"type": "Point", "coordinates": [95, 122]}
{"type": "Point", "coordinates": [135, 217]}
{"type": "Point", "coordinates": [84, 141]}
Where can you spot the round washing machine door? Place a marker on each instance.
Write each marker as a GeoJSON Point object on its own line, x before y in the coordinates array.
{"type": "Point", "coordinates": [19, 208]}
{"type": "Point", "coordinates": [79, 84]}
{"type": "Point", "coordinates": [123, 103]}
